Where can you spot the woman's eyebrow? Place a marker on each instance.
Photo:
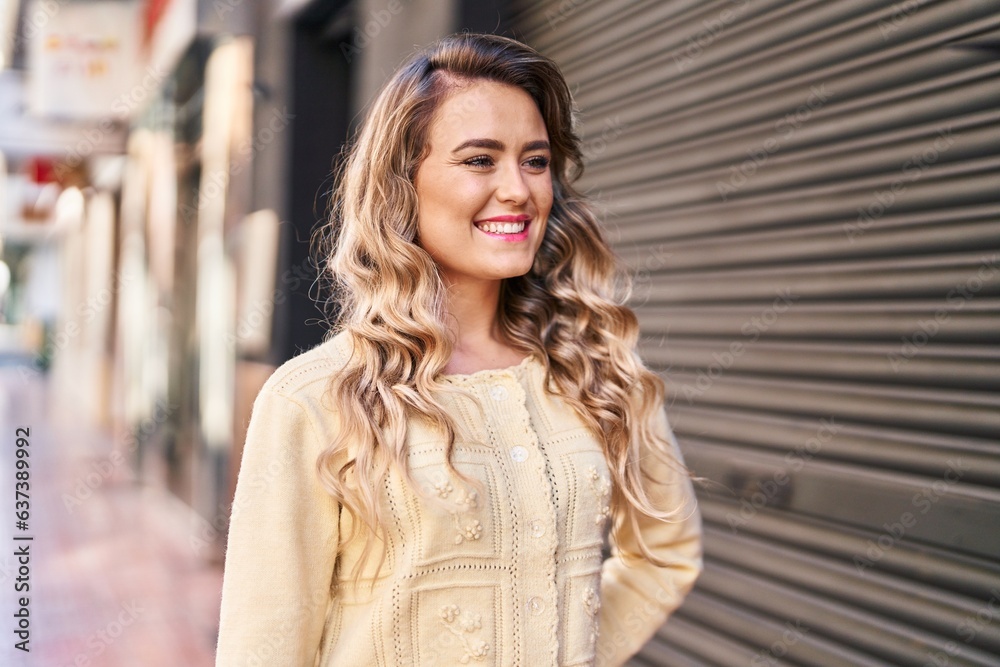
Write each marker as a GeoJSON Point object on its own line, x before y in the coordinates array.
{"type": "Point", "coordinates": [493, 144]}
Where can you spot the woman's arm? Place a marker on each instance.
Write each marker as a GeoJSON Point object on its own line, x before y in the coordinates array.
{"type": "Point", "coordinates": [282, 542]}
{"type": "Point", "coordinates": [637, 596]}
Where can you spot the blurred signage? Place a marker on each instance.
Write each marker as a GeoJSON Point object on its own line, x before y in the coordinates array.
{"type": "Point", "coordinates": [152, 15]}
{"type": "Point", "coordinates": [84, 62]}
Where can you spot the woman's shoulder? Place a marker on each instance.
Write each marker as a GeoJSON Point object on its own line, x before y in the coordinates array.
{"type": "Point", "coordinates": [306, 375]}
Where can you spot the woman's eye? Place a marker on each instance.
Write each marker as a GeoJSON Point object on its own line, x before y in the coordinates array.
{"type": "Point", "coordinates": [538, 162]}
{"type": "Point", "coordinates": [480, 161]}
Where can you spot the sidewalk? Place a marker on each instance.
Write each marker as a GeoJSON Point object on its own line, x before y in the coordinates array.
{"type": "Point", "coordinates": [113, 579]}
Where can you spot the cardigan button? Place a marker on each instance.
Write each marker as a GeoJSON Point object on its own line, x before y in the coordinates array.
{"type": "Point", "coordinates": [536, 605]}
{"type": "Point", "coordinates": [519, 454]}
{"type": "Point", "coordinates": [537, 528]}
{"type": "Point", "coordinates": [498, 392]}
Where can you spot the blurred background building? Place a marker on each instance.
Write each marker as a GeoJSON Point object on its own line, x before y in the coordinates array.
{"type": "Point", "coordinates": [806, 192]}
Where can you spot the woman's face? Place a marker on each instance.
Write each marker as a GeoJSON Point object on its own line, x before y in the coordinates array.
{"type": "Point", "coordinates": [484, 190]}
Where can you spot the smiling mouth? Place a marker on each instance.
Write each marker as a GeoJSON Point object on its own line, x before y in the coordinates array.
{"type": "Point", "coordinates": [502, 227]}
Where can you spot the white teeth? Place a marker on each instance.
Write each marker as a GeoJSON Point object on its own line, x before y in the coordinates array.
{"type": "Point", "coordinates": [502, 227]}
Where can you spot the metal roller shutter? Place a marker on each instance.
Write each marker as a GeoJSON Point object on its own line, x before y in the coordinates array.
{"type": "Point", "coordinates": [808, 194]}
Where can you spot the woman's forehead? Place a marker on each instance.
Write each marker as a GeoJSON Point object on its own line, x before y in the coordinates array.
{"type": "Point", "coordinates": [484, 109]}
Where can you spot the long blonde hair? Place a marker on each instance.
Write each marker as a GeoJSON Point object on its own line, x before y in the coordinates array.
{"type": "Point", "coordinates": [568, 310]}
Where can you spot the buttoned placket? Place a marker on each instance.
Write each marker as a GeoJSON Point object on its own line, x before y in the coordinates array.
{"type": "Point", "coordinates": [535, 557]}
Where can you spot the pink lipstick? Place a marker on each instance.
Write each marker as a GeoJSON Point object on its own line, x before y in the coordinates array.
{"type": "Point", "coordinates": [510, 228]}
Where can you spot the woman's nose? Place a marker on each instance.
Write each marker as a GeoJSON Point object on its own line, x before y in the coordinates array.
{"type": "Point", "coordinates": [512, 186]}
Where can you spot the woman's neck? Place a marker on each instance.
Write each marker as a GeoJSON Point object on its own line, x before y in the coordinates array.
{"type": "Point", "coordinates": [477, 343]}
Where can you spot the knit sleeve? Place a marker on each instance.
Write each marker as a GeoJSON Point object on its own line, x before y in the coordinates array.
{"type": "Point", "coordinates": [637, 596]}
{"type": "Point", "coordinates": [282, 543]}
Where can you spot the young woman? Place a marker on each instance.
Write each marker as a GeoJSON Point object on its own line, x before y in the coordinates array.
{"type": "Point", "coordinates": [435, 483]}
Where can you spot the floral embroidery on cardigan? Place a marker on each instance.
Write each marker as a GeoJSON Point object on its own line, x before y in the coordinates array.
{"type": "Point", "coordinates": [442, 487]}
{"type": "Point", "coordinates": [602, 489]}
{"type": "Point", "coordinates": [466, 501]}
{"type": "Point", "coordinates": [592, 603]}
{"type": "Point", "coordinates": [470, 531]}
{"type": "Point", "coordinates": [461, 624]}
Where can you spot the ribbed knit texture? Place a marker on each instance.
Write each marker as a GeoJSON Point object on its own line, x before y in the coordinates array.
{"type": "Point", "coordinates": [510, 574]}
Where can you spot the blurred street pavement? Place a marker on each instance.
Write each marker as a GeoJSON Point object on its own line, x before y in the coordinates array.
{"type": "Point", "coordinates": [114, 578]}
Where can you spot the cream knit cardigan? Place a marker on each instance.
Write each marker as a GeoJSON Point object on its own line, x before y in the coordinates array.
{"type": "Point", "coordinates": [509, 574]}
